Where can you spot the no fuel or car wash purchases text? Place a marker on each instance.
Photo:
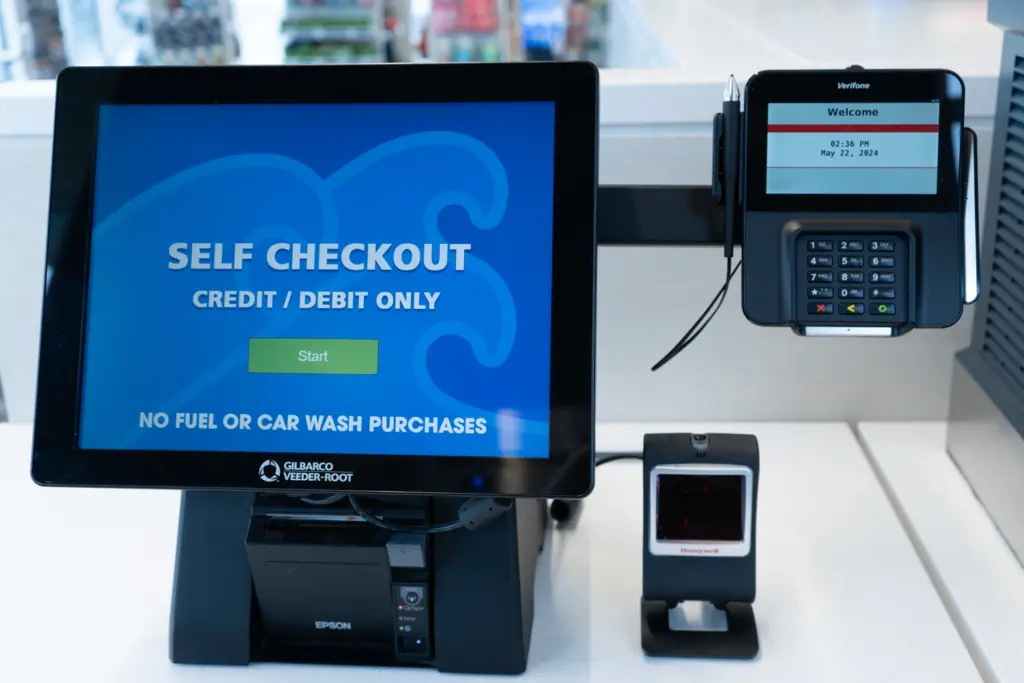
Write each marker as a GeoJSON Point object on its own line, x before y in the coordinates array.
{"type": "Point", "coordinates": [282, 257]}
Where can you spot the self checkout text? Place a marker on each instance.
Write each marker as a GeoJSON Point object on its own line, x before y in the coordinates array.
{"type": "Point", "coordinates": [355, 256]}
{"type": "Point", "coordinates": [319, 257]}
{"type": "Point", "coordinates": [278, 422]}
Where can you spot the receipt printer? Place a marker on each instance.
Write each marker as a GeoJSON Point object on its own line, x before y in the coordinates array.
{"type": "Point", "coordinates": [329, 583]}
{"type": "Point", "coordinates": [857, 201]}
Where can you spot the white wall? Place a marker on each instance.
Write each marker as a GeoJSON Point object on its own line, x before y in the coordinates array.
{"type": "Point", "coordinates": [633, 42]}
{"type": "Point", "coordinates": [648, 297]}
{"type": "Point", "coordinates": [654, 131]}
{"type": "Point", "coordinates": [26, 120]}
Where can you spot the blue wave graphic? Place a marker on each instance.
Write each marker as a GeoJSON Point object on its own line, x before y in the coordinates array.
{"type": "Point", "coordinates": [480, 217]}
{"type": "Point", "coordinates": [488, 357]}
{"type": "Point", "coordinates": [210, 168]}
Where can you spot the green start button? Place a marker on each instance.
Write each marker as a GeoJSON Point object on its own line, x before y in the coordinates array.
{"type": "Point", "coordinates": [313, 356]}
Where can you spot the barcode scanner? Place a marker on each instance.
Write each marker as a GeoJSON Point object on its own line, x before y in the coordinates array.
{"type": "Point", "coordinates": [700, 545]}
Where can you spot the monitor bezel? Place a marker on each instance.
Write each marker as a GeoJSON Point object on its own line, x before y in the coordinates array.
{"type": "Point", "coordinates": [885, 85]}
{"type": "Point", "coordinates": [567, 472]}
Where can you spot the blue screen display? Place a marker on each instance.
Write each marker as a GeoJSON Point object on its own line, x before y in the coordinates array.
{"type": "Point", "coordinates": [325, 279]}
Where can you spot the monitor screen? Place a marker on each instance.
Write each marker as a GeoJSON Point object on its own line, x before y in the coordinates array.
{"type": "Point", "coordinates": [700, 508]}
{"type": "Point", "coordinates": [853, 149]}
{"type": "Point", "coordinates": [370, 279]}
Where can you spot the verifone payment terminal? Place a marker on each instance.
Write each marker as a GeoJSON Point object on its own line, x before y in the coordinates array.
{"type": "Point", "coordinates": [856, 201]}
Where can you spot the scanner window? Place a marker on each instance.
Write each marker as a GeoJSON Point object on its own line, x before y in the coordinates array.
{"type": "Point", "coordinates": [700, 508]}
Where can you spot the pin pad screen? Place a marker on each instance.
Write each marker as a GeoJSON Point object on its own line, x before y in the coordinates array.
{"type": "Point", "coordinates": [870, 148]}
{"type": "Point", "coordinates": [874, 142]}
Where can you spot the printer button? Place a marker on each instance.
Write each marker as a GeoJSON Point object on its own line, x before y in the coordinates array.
{"type": "Point", "coordinates": [412, 645]}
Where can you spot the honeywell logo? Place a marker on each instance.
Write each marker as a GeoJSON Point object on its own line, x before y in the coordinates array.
{"type": "Point", "coordinates": [333, 626]}
{"type": "Point", "coordinates": [699, 551]}
{"type": "Point", "coordinates": [854, 86]}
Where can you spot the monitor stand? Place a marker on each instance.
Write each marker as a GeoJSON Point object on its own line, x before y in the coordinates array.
{"type": "Point", "coordinates": [479, 587]}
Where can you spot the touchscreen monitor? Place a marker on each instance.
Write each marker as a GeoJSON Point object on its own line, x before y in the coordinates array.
{"type": "Point", "coordinates": [321, 278]}
{"type": "Point", "coordinates": [268, 280]}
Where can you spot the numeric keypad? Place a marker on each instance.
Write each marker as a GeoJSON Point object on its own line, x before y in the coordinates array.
{"type": "Point", "coordinates": [852, 277]}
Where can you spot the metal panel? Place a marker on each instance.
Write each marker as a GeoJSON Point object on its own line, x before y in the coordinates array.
{"type": "Point", "coordinates": [986, 416]}
{"type": "Point", "coordinates": [984, 441]}
{"type": "Point", "coordinates": [1007, 13]}
{"type": "Point", "coordinates": [999, 322]}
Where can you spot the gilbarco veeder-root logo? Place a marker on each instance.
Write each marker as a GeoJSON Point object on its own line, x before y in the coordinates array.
{"type": "Point", "coordinates": [312, 471]}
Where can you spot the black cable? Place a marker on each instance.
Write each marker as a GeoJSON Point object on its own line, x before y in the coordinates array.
{"type": "Point", "coordinates": [473, 514]}
{"type": "Point", "coordinates": [706, 317]}
{"type": "Point", "coordinates": [612, 457]}
{"type": "Point", "coordinates": [328, 499]}
{"type": "Point", "coordinates": [564, 511]}
{"type": "Point", "coordinates": [403, 528]}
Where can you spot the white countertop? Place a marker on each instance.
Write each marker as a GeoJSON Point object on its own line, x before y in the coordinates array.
{"type": "Point", "coordinates": [85, 580]}
{"type": "Point", "coordinates": [973, 568]}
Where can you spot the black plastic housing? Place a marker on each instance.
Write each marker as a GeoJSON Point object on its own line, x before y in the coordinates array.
{"type": "Point", "coordinates": [934, 271]}
{"type": "Point", "coordinates": [221, 616]}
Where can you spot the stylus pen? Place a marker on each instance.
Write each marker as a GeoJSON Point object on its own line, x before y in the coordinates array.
{"type": "Point", "coordinates": [731, 125]}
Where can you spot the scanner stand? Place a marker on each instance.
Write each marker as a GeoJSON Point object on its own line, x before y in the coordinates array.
{"type": "Point", "coordinates": [269, 578]}
{"type": "Point", "coordinates": [703, 631]}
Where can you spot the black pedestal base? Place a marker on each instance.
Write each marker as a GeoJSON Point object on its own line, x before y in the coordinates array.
{"type": "Point", "coordinates": [482, 586]}
{"type": "Point", "coordinates": [738, 642]}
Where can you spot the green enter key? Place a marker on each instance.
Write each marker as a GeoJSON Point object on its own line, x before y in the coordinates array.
{"type": "Point", "coordinates": [313, 356]}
